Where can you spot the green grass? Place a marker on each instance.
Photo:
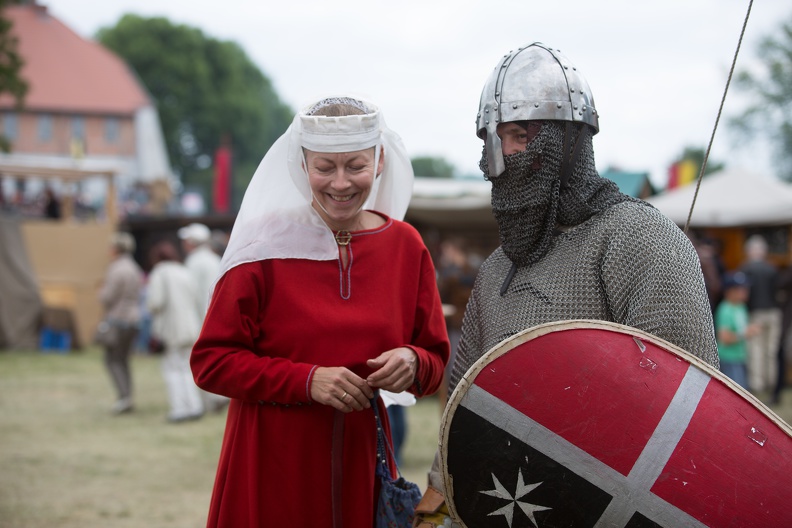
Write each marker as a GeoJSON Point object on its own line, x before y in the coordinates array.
{"type": "Point", "coordinates": [66, 462]}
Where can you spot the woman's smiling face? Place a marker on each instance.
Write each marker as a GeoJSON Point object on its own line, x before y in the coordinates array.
{"type": "Point", "coordinates": [340, 183]}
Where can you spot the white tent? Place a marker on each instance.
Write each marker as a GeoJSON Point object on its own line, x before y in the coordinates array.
{"type": "Point", "coordinates": [729, 198]}
{"type": "Point", "coordinates": [450, 202]}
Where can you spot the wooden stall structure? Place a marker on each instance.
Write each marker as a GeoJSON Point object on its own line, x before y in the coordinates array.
{"type": "Point", "coordinates": [69, 257]}
{"type": "Point", "coordinates": [731, 206]}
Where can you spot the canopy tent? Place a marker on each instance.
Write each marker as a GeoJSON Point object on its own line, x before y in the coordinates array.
{"type": "Point", "coordinates": [451, 202]}
{"type": "Point", "coordinates": [730, 198]}
{"type": "Point", "coordinates": [20, 303]}
{"type": "Point", "coordinates": [67, 259]}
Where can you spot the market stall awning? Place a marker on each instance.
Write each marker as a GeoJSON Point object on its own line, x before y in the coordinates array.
{"type": "Point", "coordinates": [732, 197]}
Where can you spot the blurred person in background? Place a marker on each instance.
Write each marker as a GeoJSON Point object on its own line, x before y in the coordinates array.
{"type": "Point", "coordinates": [172, 300]}
{"type": "Point", "coordinates": [732, 329]}
{"type": "Point", "coordinates": [455, 277]}
{"type": "Point", "coordinates": [201, 260]}
{"type": "Point", "coordinates": [785, 341]}
{"type": "Point", "coordinates": [52, 204]}
{"type": "Point", "coordinates": [119, 295]}
{"type": "Point", "coordinates": [764, 313]}
{"type": "Point", "coordinates": [204, 266]}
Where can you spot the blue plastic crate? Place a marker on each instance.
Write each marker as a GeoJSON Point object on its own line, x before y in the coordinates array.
{"type": "Point", "coordinates": [54, 341]}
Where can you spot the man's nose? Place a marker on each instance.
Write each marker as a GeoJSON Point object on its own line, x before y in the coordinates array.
{"type": "Point", "coordinates": [510, 147]}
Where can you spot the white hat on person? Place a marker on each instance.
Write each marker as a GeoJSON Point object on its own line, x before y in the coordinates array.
{"type": "Point", "coordinates": [197, 233]}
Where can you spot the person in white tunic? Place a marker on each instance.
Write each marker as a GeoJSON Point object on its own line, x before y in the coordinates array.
{"type": "Point", "coordinates": [176, 321]}
{"type": "Point", "coordinates": [204, 265]}
{"type": "Point", "coordinates": [201, 260]}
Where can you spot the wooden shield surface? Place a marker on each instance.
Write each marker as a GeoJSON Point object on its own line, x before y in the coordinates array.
{"type": "Point", "coordinates": [590, 423]}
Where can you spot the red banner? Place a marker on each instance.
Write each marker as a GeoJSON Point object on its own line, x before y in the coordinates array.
{"type": "Point", "coordinates": [221, 193]}
{"type": "Point", "coordinates": [682, 173]}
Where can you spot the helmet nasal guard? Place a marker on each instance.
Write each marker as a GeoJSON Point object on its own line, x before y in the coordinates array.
{"type": "Point", "coordinates": [532, 83]}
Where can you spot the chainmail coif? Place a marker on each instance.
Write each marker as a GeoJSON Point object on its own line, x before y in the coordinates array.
{"type": "Point", "coordinates": [527, 199]}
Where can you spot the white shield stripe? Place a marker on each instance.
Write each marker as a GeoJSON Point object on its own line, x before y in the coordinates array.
{"type": "Point", "coordinates": [630, 493]}
{"type": "Point", "coordinates": [659, 448]}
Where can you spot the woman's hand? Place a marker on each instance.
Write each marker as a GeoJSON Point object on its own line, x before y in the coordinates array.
{"type": "Point", "coordinates": [394, 370]}
{"type": "Point", "coordinates": [341, 389]}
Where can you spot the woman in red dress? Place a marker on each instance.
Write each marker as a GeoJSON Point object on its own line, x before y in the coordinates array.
{"type": "Point", "coordinates": [325, 296]}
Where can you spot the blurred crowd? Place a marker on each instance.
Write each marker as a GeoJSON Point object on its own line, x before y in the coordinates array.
{"type": "Point", "coordinates": [752, 308]}
{"type": "Point", "coordinates": [159, 313]}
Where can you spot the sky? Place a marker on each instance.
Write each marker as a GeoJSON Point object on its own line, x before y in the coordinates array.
{"type": "Point", "coordinates": [657, 70]}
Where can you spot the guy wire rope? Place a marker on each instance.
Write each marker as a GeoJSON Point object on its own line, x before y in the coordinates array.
{"type": "Point", "coordinates": [717, 119]}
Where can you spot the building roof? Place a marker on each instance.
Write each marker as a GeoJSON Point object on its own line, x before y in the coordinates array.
{"type": "Point", "coordinates": [630, 183]}
{"type": "Point", "coordinates": [67, 73]}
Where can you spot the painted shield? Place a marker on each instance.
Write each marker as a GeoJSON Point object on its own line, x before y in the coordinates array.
{"type": "Point", "coordinates": [589, 423]}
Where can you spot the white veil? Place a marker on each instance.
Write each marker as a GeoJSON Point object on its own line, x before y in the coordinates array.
{"type": "Point", "coordinates": [276, 220]}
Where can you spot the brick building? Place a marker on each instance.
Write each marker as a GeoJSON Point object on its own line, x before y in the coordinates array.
{"type": "Point", "coordinates": [85, 109]}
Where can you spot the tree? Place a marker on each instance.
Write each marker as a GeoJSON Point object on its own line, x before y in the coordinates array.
{"type": "Point", "coordinates": [770, 114]}
{"type": "Point", "coordinates": [11, 64]}
{"type": "Point", "coordinates": [432, 167]}
{"type": "Point", "coordinates": [205, 90]}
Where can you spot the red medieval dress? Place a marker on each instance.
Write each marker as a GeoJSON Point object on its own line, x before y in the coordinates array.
{"type": "Point", "coordinates": [270, 324]}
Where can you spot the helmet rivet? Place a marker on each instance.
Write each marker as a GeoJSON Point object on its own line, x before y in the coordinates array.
{"type": "Point", "coordinates": [479, 114]}
{"type": "Point", "coordinates": [497, 120]}
{"type": "Point", "coordinates": [558, 105]}
{"type": "Point", "coordinates": [486, 122]}
{"type": "Point", "coordinates": [536, 105]}
{"type": "Point", "coordinates": [575, 107]}
{"type": "Point", "coordinates": [584, 108]}
{"type": "Point", "coordinates": [580, 113]}
{"type": "Point", "coordinates": [566, 67]}
{"type": "Point", "coordinates": [514, 106]}
{"type": "Point", "coordinates": [486, 110]}
{"type": "Point", "coordinates": [497, 94]}
{"type": "Point", "coordinates": [572, 90]}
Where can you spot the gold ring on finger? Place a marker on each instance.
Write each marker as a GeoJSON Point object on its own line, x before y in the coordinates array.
{"type": "Point", "coordinates": [343, 396]}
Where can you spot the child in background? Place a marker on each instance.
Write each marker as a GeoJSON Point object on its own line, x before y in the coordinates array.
{"type": "Point", "coordinates": [732, 328]}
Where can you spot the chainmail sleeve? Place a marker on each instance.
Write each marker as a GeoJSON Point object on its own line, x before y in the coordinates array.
{"type": "Point", "coordinates": [653, 281]}
{"type": "Point", "coordinates": [470, 346]}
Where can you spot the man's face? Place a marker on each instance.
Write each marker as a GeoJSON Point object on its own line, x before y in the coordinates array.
{"type": "Point", "coordinates": [514, 137]}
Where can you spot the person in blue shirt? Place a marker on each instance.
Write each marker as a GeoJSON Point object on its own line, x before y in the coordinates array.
{"type": "Point", "coordinates": [732, 328]}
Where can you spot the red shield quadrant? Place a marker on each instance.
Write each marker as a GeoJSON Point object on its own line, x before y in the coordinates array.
{"type": "Point", "coordinates": [589, 423]}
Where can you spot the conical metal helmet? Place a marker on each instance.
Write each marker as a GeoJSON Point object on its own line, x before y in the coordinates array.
{"type": "Point", "coordinates": [534, 82]}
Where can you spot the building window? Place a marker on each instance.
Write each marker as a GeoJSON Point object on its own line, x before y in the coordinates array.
{"type": "Point", "coordinates": [45, 127]}
{"type": "Point", "coordinates": [78, 128]}
{"type": "Point", "coordinates": [112, 129]}
{"type": "Point", "coordinates": [10, 126]}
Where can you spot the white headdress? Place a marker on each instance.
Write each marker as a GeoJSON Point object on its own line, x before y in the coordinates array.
{"type": "Point", "coordinates": [276, 220]}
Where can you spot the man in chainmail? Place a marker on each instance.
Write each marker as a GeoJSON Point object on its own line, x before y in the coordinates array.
{"type": "Point", "coordinates": [572, 246]}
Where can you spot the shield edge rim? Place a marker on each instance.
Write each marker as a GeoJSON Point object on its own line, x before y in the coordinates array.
{"type": "Point", "coordinates": [548, 328]}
